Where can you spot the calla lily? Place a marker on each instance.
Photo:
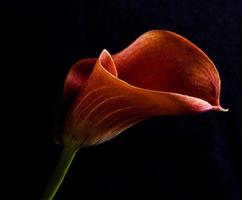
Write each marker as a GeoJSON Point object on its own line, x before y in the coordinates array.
{"type": "Point", "coordinates": [161, 73]}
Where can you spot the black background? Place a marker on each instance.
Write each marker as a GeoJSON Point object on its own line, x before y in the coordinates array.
{"type": "Point", "coordinates": [186, 157]}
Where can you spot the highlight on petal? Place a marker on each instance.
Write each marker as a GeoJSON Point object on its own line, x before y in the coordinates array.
{"type": "Point", "coordinates": [161, 73]}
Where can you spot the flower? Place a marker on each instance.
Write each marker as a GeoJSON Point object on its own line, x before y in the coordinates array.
{"type": "Point", "coordinates": [161, 73]}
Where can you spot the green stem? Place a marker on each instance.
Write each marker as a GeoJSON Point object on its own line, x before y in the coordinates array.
{"type": "Point", "coordinates": [66, 158]}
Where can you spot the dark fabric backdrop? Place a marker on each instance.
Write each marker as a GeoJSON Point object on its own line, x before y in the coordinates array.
{"type": "Point", "coordinates": [194, 157]}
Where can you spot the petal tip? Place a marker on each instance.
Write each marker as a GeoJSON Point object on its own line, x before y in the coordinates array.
{"type": "Point", "coordinates": [220, 108]}
{"type": "Point", "coordinates": [106, 61]}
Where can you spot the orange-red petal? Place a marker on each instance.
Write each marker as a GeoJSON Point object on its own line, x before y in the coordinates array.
{"type": "Point", "coordinates": [108, 105]}
{"type": "Point", "coordinates": [164, 61]}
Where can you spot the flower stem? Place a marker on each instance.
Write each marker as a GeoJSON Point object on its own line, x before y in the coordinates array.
{"type": "Point", "coordinates": [66, 158]}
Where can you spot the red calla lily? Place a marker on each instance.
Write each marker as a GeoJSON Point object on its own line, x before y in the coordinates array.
{"type": "Point", "coordinates": [161, 73]}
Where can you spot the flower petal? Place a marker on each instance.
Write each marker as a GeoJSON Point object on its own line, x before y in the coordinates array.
{"type": "Point", "coordinates": [77, 77]}
{"type": "Point", "coordinates": [164, 61]}
{"type": "Point", "coordinates": [79, 74]}
{"type": "Point", "coordinates": [108, 105]}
